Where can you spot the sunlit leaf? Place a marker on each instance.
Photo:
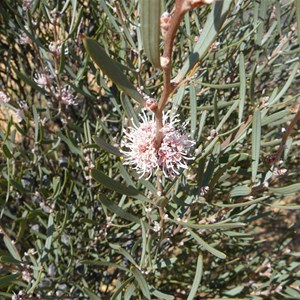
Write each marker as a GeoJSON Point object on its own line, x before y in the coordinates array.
{"type": "Point", "coordinates": [111, 69]}
{"type": "Point", "coordinates": [150, 12]}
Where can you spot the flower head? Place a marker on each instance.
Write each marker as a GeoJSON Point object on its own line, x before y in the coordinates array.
{"type": "Point", "coordinates": [169, 157]}
{"type": "Point", "coordinates": [41, 80]}
{"type": "Point", "coordinates": [26, 4]}
{"type": "Point", "coordinates": [4, 98]}
{"type": "Point", "coordinates": [56, 48]}
{"type": "Point", "coordinates": [24, 39]}
{"type": "Point", "coordinates": [67, 96]}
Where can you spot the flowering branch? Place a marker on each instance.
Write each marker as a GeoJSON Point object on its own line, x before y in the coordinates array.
{"type": "Point", "coordinates": [181, 8]}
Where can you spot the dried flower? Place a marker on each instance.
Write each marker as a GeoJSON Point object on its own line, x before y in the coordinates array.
{"type": "Point", "coordinates": [170, 157]}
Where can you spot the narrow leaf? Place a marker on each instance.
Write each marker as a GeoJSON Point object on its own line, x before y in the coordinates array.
{"type": "Point", "coordinates": [206, 246]}
{"type": "Point", "coordinates": [70, 144]}
{"type": "Point", "coordinates": [121, 288]}
{"type": "Point", "coordinates": [242, 86]}
{"type": "Point", "coordinates": [91, 295]}
{"type": "Point", "coordinates": [118, 210]}
{"type": "Point", "coordinates": [104, 264]}
{"type": "Point", "coordinates": [210, 31]}
{"type": "Point", "coordinates": [197, 278]}
{"type": "Point", "coordinates": [48, 243]}
{"type": "Point", "coordinates": [150, 29]}
{"type": "Point", "coordinates": [112, 184]}
{"type": "Point", "coordinates": [7, 280]}
{"type": "Point", "coordinates": [240, 191]}
{"type": "Point", "coordinates": [129, 292]}
{"type": "Point", "coordinates": [256, 140]}
{"type": "Point", "coordinates": [286, 86]}
{"type": "Point", "coordinates": [142, 283]}
{"type": "Point", "coordinates": [247, 203]}
{"type": "Point", "coordinates": [297, 3]}
{"type": "Point", "coordinates": [193, 101]}
{"type": "Point", "coordinates": [290, 189]}
{"type": "Point", "coordinates": [107, 147]}
{"type": "Point", "coordinates": [11, 248]}
{"type": "Point", "coordinates": [128, 108]}
{"type": "Point", "coordinates": [111, 69]}
{"type": "Point", "coordinates": [6, 151]}
{"type": "Point", "coordinates": [252, 86]}
{"type": "Point", "coordinates": [289, 207]}
{"type": "Point", "coordinates": [161, 295]}
{"type": "Point", "coordinates": [208, 226]}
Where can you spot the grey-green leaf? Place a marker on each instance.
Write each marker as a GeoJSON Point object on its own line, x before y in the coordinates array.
{"type": "Point", "coordinates": [206, 246]}
{"type": "Point", "coordinates": [113, 184]}
{"type": "Point", "coordinates": [11, 248]}
{"type": "Point", "coordinates": [161, 295]}
{"type": "Point", "coordinates": [118, 210]}
{"type": "Point", "coordinates": [112, 69]}
{"type": "Point", "coordinates": [91, 295]}
{"type": "Point", "coordinates": [142, 283]}
{"type": "Point", "coordinates": [297, 3]}
{"type": "Point", "coordinates": [150, 12]}
{"type": "Point", "coordinates": [256, 140]}
{"type": "Point", "coordinates": [240, 191]}
{"type": "Point", "coordinates": [210, 31]}
{"type": "Point", "coordinates": [107, 147]}
{"type": "Point", "coordinates": [290, 189]}
{"type": "Point", "coordinates": [7, 280]}
{"type": "Point", "coordinates": [197, 278]}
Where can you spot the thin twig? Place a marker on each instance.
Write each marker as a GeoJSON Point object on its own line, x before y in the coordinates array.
{"type": "Point", "coordinates": [181, 8]}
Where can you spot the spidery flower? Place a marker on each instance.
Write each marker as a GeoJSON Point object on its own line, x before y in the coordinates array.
{"type": "Point", "coordinates": [56, 48]}
{"type": "Point", "coordinates": [41, 80]}
{"type": "Point", "coordinates": [67, 96]}
{"type": "Point", "coordinates": [170, 157]}
{"type": "Point", "coordinates": [4, 98]}
{"type": "Point", "coordinates": [24, 39]}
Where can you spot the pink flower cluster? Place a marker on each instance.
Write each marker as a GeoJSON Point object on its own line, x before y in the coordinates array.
{"type": "Point", "coordinates": [170, 157]}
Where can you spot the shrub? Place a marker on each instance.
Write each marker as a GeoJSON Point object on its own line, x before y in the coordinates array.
{"type": "Point", "coordinates": [132, 168]}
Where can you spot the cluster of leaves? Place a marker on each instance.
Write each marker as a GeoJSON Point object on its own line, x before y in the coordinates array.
{"type": "Point", "coordinates": [77, 224]}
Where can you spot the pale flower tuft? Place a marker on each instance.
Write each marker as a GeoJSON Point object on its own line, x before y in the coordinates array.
{"type": "Point", "coordinates": [170, 157]}
{"type": "Point", "coordinates": [4, 98]}
{"type": "Point", "coordinates": [67, 96]}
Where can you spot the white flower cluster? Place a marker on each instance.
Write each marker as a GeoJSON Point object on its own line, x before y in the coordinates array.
{"type": "Point", "coordinates": [4, 98]}
{"type": "Point", "coordinates": [146, 158]}
{"type": "Point", "coordinates": [67, 96]}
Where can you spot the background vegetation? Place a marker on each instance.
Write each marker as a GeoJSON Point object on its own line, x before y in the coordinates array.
{"type": "Point", "coordinates": [78, 224]}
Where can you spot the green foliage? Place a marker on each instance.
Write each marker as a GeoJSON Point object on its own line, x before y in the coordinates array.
{"type": "Point", "coordinates": [78, 224]}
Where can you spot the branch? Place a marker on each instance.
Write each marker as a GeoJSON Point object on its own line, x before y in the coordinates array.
{"type": "Point", "coordinates": [181, 8]}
